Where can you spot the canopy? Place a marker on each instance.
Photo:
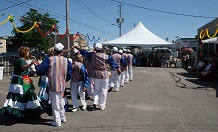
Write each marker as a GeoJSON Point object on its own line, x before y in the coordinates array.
{"type": "Point", "coordinates": [139, 36]}
{"type": "Point", "coordinates": [211, 40]}
{"type": "Point", "coordinates": [186, 49]}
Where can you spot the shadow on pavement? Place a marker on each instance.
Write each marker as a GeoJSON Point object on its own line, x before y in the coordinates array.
{"type": "Point", "coordinates": [10, 120]}
{"type": "Point", "coordinates": [190, 77]}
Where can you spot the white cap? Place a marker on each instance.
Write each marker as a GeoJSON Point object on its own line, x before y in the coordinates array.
{"type": "Point", "coordinates": [124, 50]}
{"type": "Point", "coordinates": [59, 47]}
{"type": "Point", "coordinates": [120, 51]}
{"type": "Point", "coordinates": [70, 60]}
{"type": "Point", "coordinates": [98, 46]}
{"type": "Point", "coordinates": [128, 50]}
{"type": "Point", "coordinates": [115, 49]}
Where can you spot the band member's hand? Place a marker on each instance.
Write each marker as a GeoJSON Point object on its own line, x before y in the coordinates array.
{"type": "Point", "coordinates": [77, 47]}
{"type": "Point", "coordinates": [118, 71]}
{"type": "Point", "coordinates": [84, 89]}
{"type": "Point", "coordinates": [35, 63]}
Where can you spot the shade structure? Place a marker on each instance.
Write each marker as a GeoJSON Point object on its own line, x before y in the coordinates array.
{"type": "Point", "coordinates": [186, 49]}
{"type": "Point", "coordinates": [141, 37]}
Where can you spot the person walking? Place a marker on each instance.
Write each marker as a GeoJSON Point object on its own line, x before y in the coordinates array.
{"type": "Point", "coordinates": [88, 64]}
{"type": "Point", "coordinates": [130, 63]}
{"type": "Point", "coordinates": [100, 74]}
{"type": "Point", "coordinates": [115, 77]}
{"type": "Point", "coordinates": [187, 60]}
{"type": "Point", "coordinates": [44, 90]}
{"type": "Point", "coordinates": [59, 71]}
{"type": "Point", "coordinates": [79, 83]}
{"type": "Point", "coordinates": [123, 66]}
{"type": "Point", "coordinates": [126, 68]}
{"type": "Point", "coordinates": [21, 100]}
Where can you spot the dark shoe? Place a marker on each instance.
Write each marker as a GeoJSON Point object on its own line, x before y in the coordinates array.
{"type": "Point", "coordinates": [95, 107]}
{"type": "Point", "coordinates": [110, 89]}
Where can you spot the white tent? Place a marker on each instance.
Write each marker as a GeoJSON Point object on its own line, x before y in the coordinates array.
{"type": "Point", "coordinates": [211, 40]}
{"type": "Point", "coordinates": [139, 36]}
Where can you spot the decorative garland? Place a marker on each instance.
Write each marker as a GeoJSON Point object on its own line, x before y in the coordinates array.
{"type": "Point", "coordinates": [62, 36]}
{"type": "Point", "coordinates": [12, 21]}
{"type": "Point", "coordinates": [93, 39]}
{"type": "Point", "coordinates": [83, 38]}
{"type": "Point", "coordinates": [206, 32]}
{"type": "Point", "coordinates": [49, 32]}
{"type": "Point", "coordinates": [72, 38]}
{"type": "Point", "coordinates": [9, 17]}
{"type": "Point", "coordinates": [202, 34]}
{"type": "Point", "coordinates": [53, 28]}
{"type": "Point", "coordinates": [213, 35]}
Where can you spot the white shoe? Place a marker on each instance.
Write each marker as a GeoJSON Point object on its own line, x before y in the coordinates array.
{"type": "Point", "coordinates": [102, 108]}
{"type": "Point", "coordinates": [56, 124]}
{"type": "Point", "coordinates": [75, 110]}
{"type": "Point", "coordinates": [84, 106]}
{"type": "Point", "coordinates": [64, 120]}
{"type": "Point", "coordinates": [117, 90]}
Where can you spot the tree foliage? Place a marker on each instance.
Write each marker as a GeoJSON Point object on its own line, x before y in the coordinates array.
{"type": "Point", "coordinates": [34, 39]}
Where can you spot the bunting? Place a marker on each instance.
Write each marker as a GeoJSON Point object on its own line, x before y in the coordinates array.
{"type": "Point", "coordinates": [52, 29]}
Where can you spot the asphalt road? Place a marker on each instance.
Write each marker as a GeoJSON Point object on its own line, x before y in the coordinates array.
{"type": "Point", "coordinates": [157, 100]}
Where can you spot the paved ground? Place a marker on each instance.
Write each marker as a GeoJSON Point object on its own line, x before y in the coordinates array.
{"type": "Point", "coordinates": [157, 100]}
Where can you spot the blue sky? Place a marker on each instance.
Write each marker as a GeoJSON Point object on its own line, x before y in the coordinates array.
{"type": "Point", "coordinates": [134, 11]}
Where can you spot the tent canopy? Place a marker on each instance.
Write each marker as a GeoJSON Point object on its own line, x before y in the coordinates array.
{"type": "Point", "coordinates": [211, 40]}
{"type": "Point", "coordinates": [139, 36]}
{"type": "Point", "coordinates": [186, 49]}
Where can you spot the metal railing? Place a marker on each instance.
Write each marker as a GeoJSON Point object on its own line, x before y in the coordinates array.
{"type": "Point", "coordinates": [8, 63]}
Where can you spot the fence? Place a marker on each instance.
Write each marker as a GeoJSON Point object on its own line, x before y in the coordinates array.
{"type": "Point", "coordinates": [8, 63]}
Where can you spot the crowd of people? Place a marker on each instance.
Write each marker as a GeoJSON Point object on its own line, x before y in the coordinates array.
{"type": "Point", "coordinates": [91, 73]}
{"type": "Point", "coordinates": [204, 69]}
{"type": "Point", "coordinates": [153, 59]}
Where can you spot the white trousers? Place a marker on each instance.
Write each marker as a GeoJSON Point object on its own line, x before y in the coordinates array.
{"type": "Point", "coordinates": [130, 72]}
{"type": "Point", "coordinates": [127, 74]}
{"type": "Point", "coordinates": [100, 91]}
{"type": "Point", "coordinates": [58, 111]}
{"type": "Point", "coordinates": [115, 80]}
{"type": "Point", "coordinates": [122, 78]}
{"type": "Point", "coordinates": [77, 88]}
{"type": "Point", "coordinates": [90, 86]}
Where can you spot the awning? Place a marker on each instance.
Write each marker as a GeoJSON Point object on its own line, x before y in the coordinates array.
{"type": "Point", "coordinates": [186, 49]}
{"type": "Point", "coordinates": [211, 40]}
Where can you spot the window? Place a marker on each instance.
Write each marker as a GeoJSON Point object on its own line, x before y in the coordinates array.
{"type": "Point", "coordinates": [167, 51]}
{"type": "Point", "coordinates": [1, 45]}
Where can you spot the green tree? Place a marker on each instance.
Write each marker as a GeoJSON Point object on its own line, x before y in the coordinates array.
{"type": "Point", "coordinates": [34, 39]}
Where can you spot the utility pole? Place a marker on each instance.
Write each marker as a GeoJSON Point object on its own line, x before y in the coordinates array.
{"type": "Point", "coordinates": [67, 26]}
{"type": "Point", "coordinates": [120, 20]}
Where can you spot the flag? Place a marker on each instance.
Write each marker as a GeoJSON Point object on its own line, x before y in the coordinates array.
{"type": "Point", "coordinates": [27, 83]}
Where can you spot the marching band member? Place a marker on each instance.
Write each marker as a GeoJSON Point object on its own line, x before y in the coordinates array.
{"type": "Point", "coordinates": [100, 74]}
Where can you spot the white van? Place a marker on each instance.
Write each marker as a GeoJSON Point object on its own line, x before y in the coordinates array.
{"type": "Point", "coordinates": [161, 52]}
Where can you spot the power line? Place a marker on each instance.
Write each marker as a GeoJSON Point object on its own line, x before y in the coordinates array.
{"type": "Point", "coordinates": [167, 12]}
{"type": "Point", "coordinates": [14, 5]}
{"type": "Point", "coordinates": [93, 12]}
{"type": "Point", "coordinates": [64, 17]}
